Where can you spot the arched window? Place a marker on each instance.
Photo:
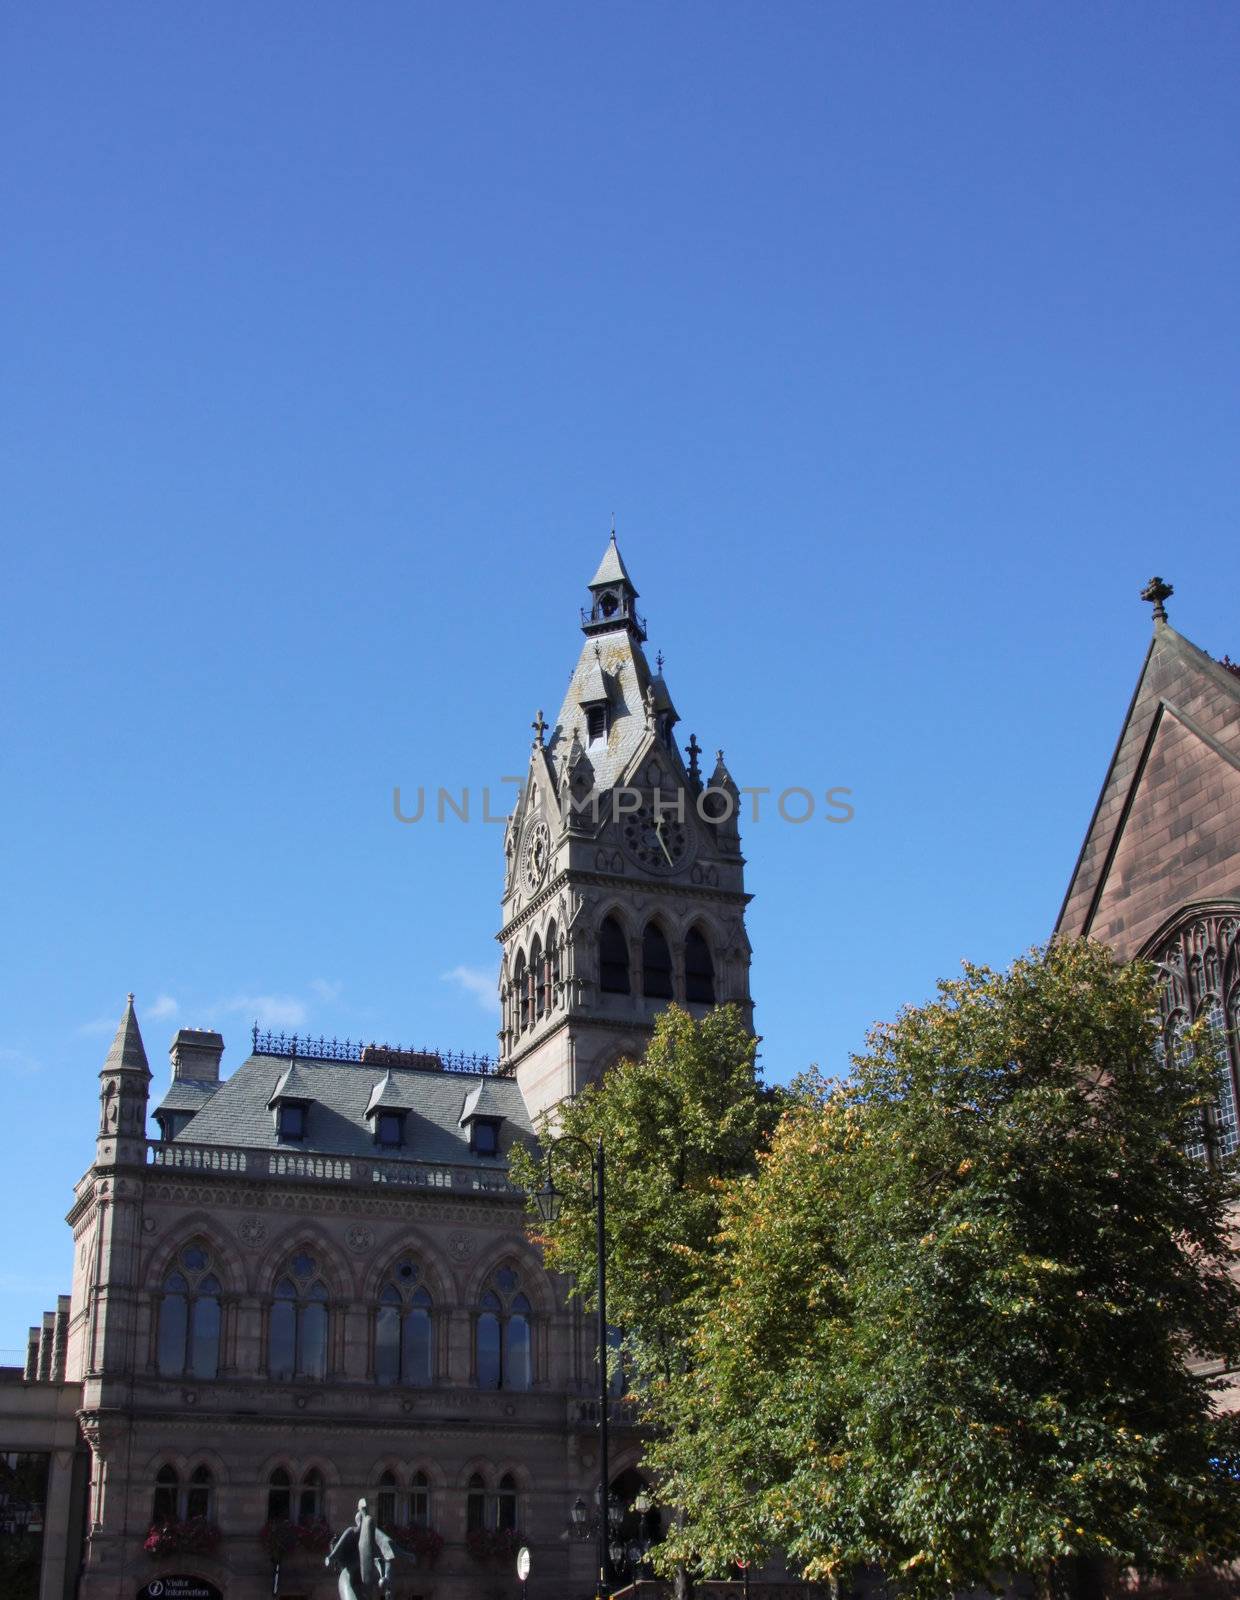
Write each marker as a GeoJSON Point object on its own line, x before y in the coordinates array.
{"type": "Point", "coordinates": [179, 1502]}
{"type": "Point", "coordinates": [523, 993]}
{"type": "Point", "coordinates": [420, 1500]}
{"type": "Point", "coordinates": [551, 967]}
{"type": "Point", "coordinates": [310, 1496]}
{"type": "Point", "coordinates": [656, 964]}
{"type": "Point", "coordinates": [503, 1354]}
{"type": "Point", "coordinates": [476, 1504]}
{"type": "Point", "coordinates": [297, 1325]}
{"type": "Point", "coordinates": [1199, 962]}
{"type": "Point", "coordinates": [189, 1317]}
{"type": "Point", "coordinates": [387, 1503]}
{"type": "Point", "coordinates": [167, 1494]}
{"type": "Point", "coordinates": [403, 1347]}
{"type": "Point", "coordinates": [506, 1503]}
{"type": "Point", "coordinates": [613, 958]}
{"type": "Point", "coordinates": [199, 1494]}
{"type": "Point", "coordinates": [538, 988]}
{"type": "Point", "coordinates": [699, 969]}
{"type": "Point", "coordinates": [279, 1496]}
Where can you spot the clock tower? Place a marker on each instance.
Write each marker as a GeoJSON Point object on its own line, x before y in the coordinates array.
{"type": "Point", "coordinates": [624, 881]}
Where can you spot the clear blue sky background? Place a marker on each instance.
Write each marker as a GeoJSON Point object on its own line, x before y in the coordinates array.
{"type": "Point", "coordinates": [901, 340]}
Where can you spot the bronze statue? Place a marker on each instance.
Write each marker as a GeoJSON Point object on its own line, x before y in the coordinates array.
{"type": "Point", "coordinates": [366, 1556]}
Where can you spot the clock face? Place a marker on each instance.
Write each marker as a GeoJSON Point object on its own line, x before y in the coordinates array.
{"type": "Point", "coordinates": [657, 842]}
{"type": "Point", "coordinates": [535, 854]}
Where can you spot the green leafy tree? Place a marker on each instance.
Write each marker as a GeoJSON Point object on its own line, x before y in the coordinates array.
{"type": "Point", "coordinates": [958, 1306]}
{"type": "Point", "coordinates": [675, 1125]}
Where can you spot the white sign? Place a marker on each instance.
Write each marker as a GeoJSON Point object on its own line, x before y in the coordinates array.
{"type": "Point", "coordinates": [523, 1562]}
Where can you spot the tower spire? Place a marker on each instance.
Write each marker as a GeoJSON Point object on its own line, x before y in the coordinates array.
{"type": "Point", "coordinates": [613, 596]}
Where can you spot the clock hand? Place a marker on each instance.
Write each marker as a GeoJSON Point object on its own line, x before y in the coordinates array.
{"type": "Point", "coordinates": [658, 828]}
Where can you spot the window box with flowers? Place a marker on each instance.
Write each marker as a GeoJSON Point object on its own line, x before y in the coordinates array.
{"type": "Point", "coordinates": [493, 1545]}
{"type": "Point", "coordinates": [423, 1543]}
{"type": "Point", "coordinates": [282, 1538]}
{"type": "Point", "coordinates": [193, 1537]}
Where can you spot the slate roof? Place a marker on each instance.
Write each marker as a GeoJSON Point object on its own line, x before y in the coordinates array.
{"type": "Point", "coordinates": [237, 1113]}
{"type": "Point", "coordinates": [187, 1094]}
{"type": "Point", "coordinates": [611, 568]}
{"type": "Point", "coordinates": [482, 1101]}
{"type": "Point", "coordinates": [629, 674]}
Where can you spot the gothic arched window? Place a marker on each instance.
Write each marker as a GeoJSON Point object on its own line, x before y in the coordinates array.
{"type": "Point", "coordinates": [420, 1500]}
{"type": "Point", "coordinates": [297, 1324]}
{"type": "Point", "coordinates": [503, 1354]}
{"type": "Point", "coordinates": [279, 1496]}
{"type": "Point", "coordinates": [699, 969]}
{"type": "Point", "coordinates": [403, 1348]}
{"type": "Point", "coordinates": [613, 958]}
{"type": "Point", "coordinates": [506, 1503]}
{"type": "Point", "coordinates": [1200, 967]}
{"type": "Point", "coordinates": [189, 1317]}
{"type": "Point", "coordinates": [167, 1494]}
{"type": "Point", "coordinates": [199, 1493]}
{"type": "Point", "coordinates": [523, 994]}
{"type": "Point", "coordinates": [310, 1496]}
{"type": "Point", "coordinates": [551, 966]}
{"type": "Point", "coordinates": [656, 964]}
{"type": "Point", "coordinates": [476, 1504]}
{"type": "Point", "coordinates": [538, 992]}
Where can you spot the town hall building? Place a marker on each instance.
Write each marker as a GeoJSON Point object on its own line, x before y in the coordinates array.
{"type": "Point", "coordinates": [315, 1283]}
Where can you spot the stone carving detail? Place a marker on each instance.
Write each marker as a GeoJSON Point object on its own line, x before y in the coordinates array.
{"type": "Point", "coordinates": [252, 1230]}
{"type": "Point", "coordinates": [460, 1246]}
{"type": "Point", "coordinates": [359, 1237]}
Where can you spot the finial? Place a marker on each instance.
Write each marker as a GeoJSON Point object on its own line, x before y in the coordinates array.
{"type": "Point", "coordinates": [658, 661]}
{"type": "Point", "coordinates": [650, 705]}
{"type": "Point", "coordinates": [129, 997]}
{"type": "Point", "coordinates": [540, 727]}
{"type": "Point", "coordinates": [695, 751]}
{"type": "Point", "coordinates": [1157, 591]}
{"type": "Point", "coordinates": [613, 526]}
{"type": "Point", "coordinates": [719, 757]}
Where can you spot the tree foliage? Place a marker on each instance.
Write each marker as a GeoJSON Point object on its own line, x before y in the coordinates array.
{"type": "Point", "coordinates": [674, 1125]}
{"type": "Point", "coordinates": [954, 1313]}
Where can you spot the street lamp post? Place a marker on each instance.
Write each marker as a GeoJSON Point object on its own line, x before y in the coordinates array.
{"type": "Point", "coordinates": [550, 1202]}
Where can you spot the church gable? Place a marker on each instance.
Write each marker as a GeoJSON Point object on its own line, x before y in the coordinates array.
{"type": "Point", "coordinates": [1166, 830]}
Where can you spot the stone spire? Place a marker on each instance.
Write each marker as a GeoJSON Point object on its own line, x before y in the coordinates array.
{"type": "Point", "coordinates": [128, 1054]}
{"type": "Point", "coordinates": [124, 1082]}
{"type": "Point", "coordinates": [611, 569]}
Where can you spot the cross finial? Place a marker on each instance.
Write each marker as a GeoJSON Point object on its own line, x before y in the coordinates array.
{"type": "Point", "coordinates": [539, 726]}
{"type": "Point", "coordinates": [695, 751]}
{"type": "Point", "coordinates": [658, 661]}
{"type": "Point", "coordinates": [1156, 591]}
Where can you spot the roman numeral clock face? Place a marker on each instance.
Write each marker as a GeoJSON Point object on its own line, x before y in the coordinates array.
{"type": "Point", "coordinates": [535, 854]}
{"type": "Point", "coordinates": [655, 841]}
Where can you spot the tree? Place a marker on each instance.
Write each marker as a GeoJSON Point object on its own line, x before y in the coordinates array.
{"type": "Point", "coordinates": [675, 1125]}
{"type": "Point", "coordinates": [958, 1303]}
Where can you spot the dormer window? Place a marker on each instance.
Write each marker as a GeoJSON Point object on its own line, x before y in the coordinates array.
{"type": "Point", "coordinates": [596, 723]}
{"type": "Point", "coordinates": [484, 1136]}
{"type": "Point", "coordinates": [291, 1120]}
{"type": "Point", "coordinates": [390, 1128]}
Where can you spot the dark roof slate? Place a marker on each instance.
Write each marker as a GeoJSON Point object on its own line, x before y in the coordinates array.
{"type": "Point", "coordinates": [238, 1114]}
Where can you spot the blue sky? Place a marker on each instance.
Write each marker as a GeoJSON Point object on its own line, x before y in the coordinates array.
{"type": "Point", "coordinates": [901, 340]}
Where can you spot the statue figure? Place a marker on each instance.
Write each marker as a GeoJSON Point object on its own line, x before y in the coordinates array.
{"type": "Point", "coordinates": [366, 1555]}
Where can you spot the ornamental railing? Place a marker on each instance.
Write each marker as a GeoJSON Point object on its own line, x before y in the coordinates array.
{"type": "Point", "coordinates": [296, 1046]}
{"type": "Point", "coordinates": [297, 1166]}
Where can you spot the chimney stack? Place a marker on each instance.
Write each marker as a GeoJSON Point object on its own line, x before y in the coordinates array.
{"type": "Point", "coordinates": [195, 1054]}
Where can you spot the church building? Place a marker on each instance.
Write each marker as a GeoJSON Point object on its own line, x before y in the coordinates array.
{"type": "Point", "coordinates": [314, 1283]}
